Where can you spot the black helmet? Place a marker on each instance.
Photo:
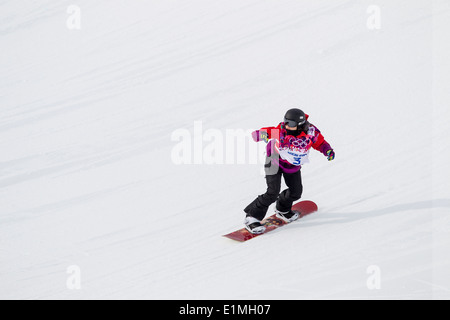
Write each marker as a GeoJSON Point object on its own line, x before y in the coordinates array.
{"type": "Point", "coordinates": [295, 118]}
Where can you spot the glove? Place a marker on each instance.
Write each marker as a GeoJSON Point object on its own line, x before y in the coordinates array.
{"type": "Point", "coordinates": [330, 155]}
{"type": "Point", "coordinates": [260, 135]}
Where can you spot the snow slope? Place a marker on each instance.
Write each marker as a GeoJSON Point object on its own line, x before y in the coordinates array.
{"type": "Point", "coordinates": [88, 178]}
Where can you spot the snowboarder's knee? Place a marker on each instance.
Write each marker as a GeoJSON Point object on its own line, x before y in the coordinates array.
{"type": "Point", "coordinates": [272, 197]}
{"type": "Point", "coordinates": [296, 196]}
{"type": "Point", "coordinates": [272, 194]}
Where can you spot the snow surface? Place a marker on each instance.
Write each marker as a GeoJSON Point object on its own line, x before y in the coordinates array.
{"type": "Point", "coordinates": [88, 179]}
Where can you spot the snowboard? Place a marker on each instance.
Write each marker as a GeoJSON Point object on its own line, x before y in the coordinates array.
{"type": "Point", "coordinates": [272, 222]}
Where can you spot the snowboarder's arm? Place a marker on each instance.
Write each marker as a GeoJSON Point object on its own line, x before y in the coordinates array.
{"type": "Point", "coordinates": [321, 145]}
{"type": "Point", "coordinates": [267, 133]}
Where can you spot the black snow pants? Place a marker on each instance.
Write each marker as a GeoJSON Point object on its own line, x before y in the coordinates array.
{"type": "Point", "coordinates": [258, 208]}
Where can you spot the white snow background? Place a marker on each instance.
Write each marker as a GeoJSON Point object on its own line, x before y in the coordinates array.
{"type": "Point", "coordinates": [88, 179]}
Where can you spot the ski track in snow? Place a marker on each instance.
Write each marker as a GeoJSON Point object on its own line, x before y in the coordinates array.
{"type": "Point", "coordinates": [87, 179]}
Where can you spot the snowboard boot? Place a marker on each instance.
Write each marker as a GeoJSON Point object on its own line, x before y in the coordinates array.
{"type": "Point", "coordinates": [287, 216]}
{"type": "Point", "coordinates": [254, 225]}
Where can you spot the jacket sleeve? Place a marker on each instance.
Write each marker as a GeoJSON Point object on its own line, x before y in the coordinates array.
{"type": "Point", "coordinates": [319, 143]}
{"type": "Point", "coordinates": [266, 133]}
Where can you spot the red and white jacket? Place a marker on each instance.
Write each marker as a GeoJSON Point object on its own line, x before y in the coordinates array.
{"type": "Point", "coordinates": [291, 152]}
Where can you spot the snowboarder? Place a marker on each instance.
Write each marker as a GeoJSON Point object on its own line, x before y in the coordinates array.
{"type": "Point", "coordinates": [288, 147]}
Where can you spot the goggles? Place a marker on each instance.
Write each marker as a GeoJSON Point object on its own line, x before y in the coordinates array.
{"type": "Point", "coordinates": [293, 123]}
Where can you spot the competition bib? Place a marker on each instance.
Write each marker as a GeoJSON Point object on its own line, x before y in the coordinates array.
{"type": "Point", "coordinates": [296, 157]}
{"type": "Point", "coordinates": [295, 150]}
